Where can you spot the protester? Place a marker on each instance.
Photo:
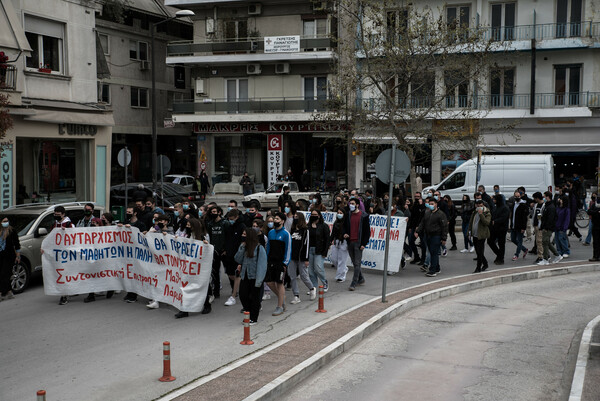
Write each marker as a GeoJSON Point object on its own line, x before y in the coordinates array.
{"type": "Point", "coordinates": [139, 194]}
{"type": "Point", "coordinates": [316, 248]}
{"type": "Point", "coordinates": [479, 227]}
{"type": "Point", "coordinates": [61, 221]}
{"type": "Point", "coordinates": [10, 254]}
{"type": "Point", "coordinates": [284, 197]}
{"type": "Point", "coordinates": [233, 205]}
{"type": "Point", "coordinates": [594, 213]}
{"type": "Point", "coordinates": [416, 215]}
{"type": "Point", "coordinates": [317, 203]}
{"type": "Point", "coordinates": [536, 223]}
{"type": "Point", "coordinates": [216, 227]}
{"type": "Point", "coordinates": [233, 239]}
{"type": "Point", "coordinates": [251, 214]}
{"type": "Point", "coordinates": [452, 214]}
{"type": "Point", "coordinates": [88, 214]}
{"type": "Point", "coordinates": [99, 222]}
{"type": "Point", "coordinates": [466, 211]}
{"type": "Point", "coordinates": [357, 231]}
{"type": "Point", "coordinates": [289, 209]}
{"type": "Point", "coordinates": [434, 227]}
{"type": "Point", "coordinates": [252, 267]}
{"type": "Point", "coordinates": [499, 228]}
{"type": "Point", "coordinates": [160, 225]}
{"type": "Point", "coordinates": [548, 223]}
{"type": "Point", "coordinates": [519, 225]}
{"type": "Point", "coordinates": [563, 217]}
{"type": "Point", "coordinates": [588, 238]}
{"type": "Point", "coordinates": [339, 246]}
{"type": "Point", "coordinates": [279, 250]}
{"type": "Point", "coordinates": [299, 260]}
{"type": "Point", "coordinates": [247, 184]}
{"type": "Point", "coordinates": [486, 198]}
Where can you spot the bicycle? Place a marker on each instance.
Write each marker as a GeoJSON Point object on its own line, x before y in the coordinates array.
{"type": "Point", "coordinates": [582, 220]}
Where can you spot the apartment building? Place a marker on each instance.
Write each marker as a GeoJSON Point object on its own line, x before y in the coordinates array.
{"type": "Point", "coordinates": [60, 144]}
{"type": "Point", "coordinates": [261, 73]}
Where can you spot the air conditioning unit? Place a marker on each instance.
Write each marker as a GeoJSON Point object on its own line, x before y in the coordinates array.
{"type": "Point", "coordinates": [144, 65]}
{"type": "Point", "coordinates": [254, 9]}
{"type": "Point", "coordinates": [282, 68]}
{"type": "Point", "coordinates": [253, 69]}
{"type": "Point", "coordinates": [319, 5]}
{"type": "Point", "coordinates": [200, 87]}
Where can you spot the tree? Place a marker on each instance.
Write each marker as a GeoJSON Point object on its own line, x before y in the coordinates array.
{"type": "Point", "coordinates": [414, 74]}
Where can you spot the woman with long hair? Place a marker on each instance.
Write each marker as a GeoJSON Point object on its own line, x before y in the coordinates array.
{"type": "Point", "coordinates": [10, 254]}
{"type": "Point", "coordinates": [252, 259]}
{"type": "Point", "coordinates": [339, 250]}
{"type": "Point", "coordinates": [316, 248]}
{"type": "Point", "coordinates": [299, 261]}
{"type": "Point", "coordinates": [466, 211]}
{"type": "Point", "coordinates": [317, 203]}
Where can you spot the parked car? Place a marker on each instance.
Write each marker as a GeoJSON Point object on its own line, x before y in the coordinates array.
{"type": "Point", "coordinates": [268, 199]}
{"type": "Point", "coordinates": [32, 223]}
{"type": "Point", "coordinates": [173, 193]}
{"type": "Point", "coordinates": [186, 181]}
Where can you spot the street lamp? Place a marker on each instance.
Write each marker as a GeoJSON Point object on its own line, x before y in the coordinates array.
{"type": "Point", "coordinates": [178, 14]}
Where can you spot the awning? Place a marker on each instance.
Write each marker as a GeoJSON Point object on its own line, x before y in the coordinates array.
{"type": "Point", "coordinates": [12, 35]}
{"type": "Point", "coordinates": [563, 139]}
{"type": "Point", "coordinates": [63, 117]}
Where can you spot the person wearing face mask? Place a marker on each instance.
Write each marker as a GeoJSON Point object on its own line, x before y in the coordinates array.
{"type": "Point", "coordinates": [284, 197]}
{"type": "Point", "coordinates": [317, 203]}
{"type": "Point", "coordinates": [88, 213]}
{"type": "Point", "coordinates": [187, 208]}
{"type": "Point", "coordinates": [547, 226]}
{"type": "Point", "coordinates": [519, 225]}
{"type": "Point", "coordinates": [216, 229]}
{"type": "Point", "coordinates": [299, 261]}
{"type": "Point", "coordinates": [105, 220]}
{"type": "Point", "coordinates": [252, 266]}
{"type": "Point", "coordinates": [315, 249]}
{"type": "Point", "coordinates": [232, 205]}
{"type": "Point", "coordinates": [279, 252]}
{"type": "Point", "coordinates": [568, 191]}
{"type": "Point", "coordinates": [233, 239]}
{"type": "Point", "coordinates": [61, 221]}
{"type": "Point", "coordinates": [339, 246]}
{"type": "Point", "coordinates": [594, 213]}
{"type": "Point", "coordinates": [434, 227]}
{"type": "Point", "coordinates": [179, 216]}
{"type": "Point", "coordinates": [10, 254]}
{"type": "Point", "coordinates": [479, 227]}
{"type": "Point", "coordinates": [486, 197]}
{"type": "Point", "coordinates": [289, 209]}
{"type": "Point", "coordinates": [161, 222]}
{"type": "Point", "coordinates": [131, 220]}
{"type": "Point", "coordinates": [251, 214]}
{"type": "Point", "coordinates": [499, 228]}
{"type": "Point", "coordinates": [563, 216]}
{"type": "Point", "coordinates": [357, 231]}
{"type": "Point", "coordinates": [588, 238]}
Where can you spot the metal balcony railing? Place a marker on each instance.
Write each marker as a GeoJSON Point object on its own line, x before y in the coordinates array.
{"type": "Point", "coordinates": [8, 77]}
{"type": "Point", "coordinates": [542, 31]}
{"type": "Point", "coordinates": [254, 105]}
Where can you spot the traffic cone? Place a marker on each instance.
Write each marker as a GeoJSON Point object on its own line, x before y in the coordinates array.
{"type": "Point", "coordinates": [321, 297]}
{"type": "Point", "coordinates": [247, 340]}
{"type": "Point", "coordinates": [41, 395]}
{"type": "Point", "coordinates": [166, 377]}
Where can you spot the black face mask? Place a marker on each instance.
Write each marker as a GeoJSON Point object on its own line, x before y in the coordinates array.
{"type": "Point", "coordinates": [251, 214]}
{"type": "Point", "coordinates": [87, 212]}
{"type": "Point", "coordinates": [188, 230]}
{"type": "Point", "coordinates": [57, 217]}
{"type": "Point", "coordinates": [129, 216]}
{"type": "Point", "coordinates": [277, 225]}
{"type": "Point", "coordinates": [138, 209]}
{"type": "Point", "coordinates": [160, 225]}
{"type": "Point", "coordinates": [313, 219]}
{"type": "Point", "coordinates": [148, 208]}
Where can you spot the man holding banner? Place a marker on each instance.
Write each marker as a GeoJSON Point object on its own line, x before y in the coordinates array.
{"type": "Point", "coordinates": [357, 233]}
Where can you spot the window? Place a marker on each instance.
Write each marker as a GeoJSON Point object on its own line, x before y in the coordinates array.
{"type": "Point", "coordinates": [457, 89]}
{"type": "Point", "coordinates": [315, 88]}
{"type": "Point", "coordinates": [236, 30]}
{"type": "Point", "coordinates": [47, 40]}
{"type": "Point", "coordinates": [237, 90]}
{"type": "Point", "coordinates": [422, 89]}
{"type": "Point", "coordinates": [396, 24]}
{"type": "Point", "coordinates": [174, 97]}
{"type": "Point", "coordinates": [455, 181]}
{"type": "Point", "coordinates": [314, 28]}
{"type": "Point", "coordinates": [138, 50]}
{"type": "Point", "coordinates": [458, 20]}
{"type": "Point", "coordinates": [104, 42]}
{"type": "Point", "coordinates": [503, 21]}
{"type": "Point", "coordinates": [567, 85]}
{"type": "Point", "coordinates": [568, 18]}
{"type": "Point", "coordinates": [139, 97]}
{"type": "Point", "coordinates": [502, 87]}
{"type": "Point", "coordinates": [103, 93]}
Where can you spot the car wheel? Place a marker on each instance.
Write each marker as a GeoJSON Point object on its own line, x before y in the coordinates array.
{"type": "Point", "coordinates": [19, 280]}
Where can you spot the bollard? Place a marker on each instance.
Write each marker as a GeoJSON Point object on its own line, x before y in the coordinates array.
{"type": "Point", "coordinates": [41, 395]}
{"type": "Point", "coordinates": [321, 306]}
{"type": "Point", "coordinates": [247, 340]}
{"type": "Point", "coordinates": [166, 377]}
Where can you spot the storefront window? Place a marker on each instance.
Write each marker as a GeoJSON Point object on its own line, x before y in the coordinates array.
{"type": "Point", "coordinates": [451, 159]}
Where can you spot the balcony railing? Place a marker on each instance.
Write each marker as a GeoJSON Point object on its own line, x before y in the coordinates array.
{"type": "Point", "coordinates": [542, 31]}
{"type": "Point", "coordinates": [8, 77]}
{"type": "Point", "coordinates": [488, 102]}
{"type": "Point", "coordinates": [245, 45]}
{"type": "Point", "coordinates": [254, 105]}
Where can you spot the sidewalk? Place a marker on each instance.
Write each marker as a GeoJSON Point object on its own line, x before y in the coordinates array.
{"type": "Point", "coordinates": [269, 372]}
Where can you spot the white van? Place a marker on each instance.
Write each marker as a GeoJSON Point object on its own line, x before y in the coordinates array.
{"type": "Point", "coordinates": [534, 172]}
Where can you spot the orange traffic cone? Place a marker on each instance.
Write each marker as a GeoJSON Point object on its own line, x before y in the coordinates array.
{"type": "Point", "coordinates": [247, 340]}
{"type": "Point", "coordinates": [321, 306]}
{"type": "Point", "coordinates": [166, 377]}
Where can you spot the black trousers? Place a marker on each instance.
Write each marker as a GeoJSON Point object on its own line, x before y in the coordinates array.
{"type": "Point", "coordinates": [452, 231]}
{"type": "Point", "coordinates": [596, 242]}
{"type": "Point", "coordinates": [479, 249]}
{"type": "Point", "coordinates": [216, 274]}
{"type": "Point", "coordinates": [251, 298]}
{"type": "Point", "coordinates": [497, 243]}
{"type": "Point", "coordinates": [5, 272]}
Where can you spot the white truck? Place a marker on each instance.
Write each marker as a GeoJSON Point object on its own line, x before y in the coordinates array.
{"type": "Point", "coordinates": [268, 199]}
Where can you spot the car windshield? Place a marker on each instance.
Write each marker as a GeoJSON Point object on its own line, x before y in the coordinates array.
{"type": "Point", "coordinates": [169, 179]}
{"type": "Point", "coordinates": [174, 189]}
{"type": "Point", "coordinates": [22, 222]}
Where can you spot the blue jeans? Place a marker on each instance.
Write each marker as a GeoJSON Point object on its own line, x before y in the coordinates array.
{"type": "Point", "coordinates": [516, 237]}
{"type": "Point", "coordinates": [433, 244]}
{"type": "Point", "coordinates": [316, 271]}
{"type": "Point", "coordinates": [588, 239]}
{"type": "Point", "coordinates": [562, 244]}
{"type": "Point", "coordinates": [465, 231]}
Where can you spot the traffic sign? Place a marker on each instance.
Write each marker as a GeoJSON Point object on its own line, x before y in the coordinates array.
{"type": "Point", "coordinates": [164, 164]}
{"type": "Point", "coordinates": [401, 166]}
{"type": "Point", "coordinates": [124, 157]}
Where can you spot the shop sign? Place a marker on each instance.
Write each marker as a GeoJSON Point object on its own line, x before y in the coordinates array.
{"type": "Point", "coordinates": [282, 44]}
{"type": "Point", "coordinates": [168, 123]}
{"type": "Point", "coordinates": [275, 126]}
{"type": "Point", "coordinates": [6, 167]}
{"type": "Point", "coordinates": [275, 161]}
{"type": "Point", "coordinates": [77, 129]}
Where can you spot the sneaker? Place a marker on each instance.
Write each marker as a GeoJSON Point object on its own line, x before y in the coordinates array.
{"type": "Point", "coordinates": [431, 274]}
{"type": "Point", "coordinates": [278, 311]}
{"type": "Point", "coordinates": [352, 287]}
{"type": "Point", "coordinates": [361, 281]}
{"type": "Point", "coordinates": [130, 300]}
{"type": "Point", "coordinates": [565, 255]}
{"type": "Point", "coordinates": [538, 260]}
{"type": "Point", "coordinates": [206, 310]}
{"type": "Point", "coordinates": [325, 288]}
{"type": "Point", "coordinates": [466, 250]}
{"type": "Point", "coordinates": [525, 252]}
{"type": "Point", "coordinates": [445, 252]}
{"type": "Point", "coordinates": [424, 269]}
{"type": "Point", "coordinates": [211, 299]}
{"type": "Point", "coordinates": [543, 262]}
{"type": "Point", "coordinates": [391, 273]}
{"type": "Point", "coordinates": [313, 294]}
{"type": "Point", "coordinates": [515, 258]}
{"type": "Point", "coordinates": [89, 298]}
{"type": "Point", "coordinates": [472, 249]}
{"type": "Point", "coordinates": [296, 300]}
{"type": "Point", "coordinates": [152, 305]}
{"type": "Point", "coordinates": [252, 323]}
{"type": "Point", "coordinates": [266, 297]}
{"type": "Point", "coordinates": [557, 259]}
{"type": "Point", "coordinates": [339, 280]}
{"type": "Point", "coordinates": [408, 259]}
{"type": "Point", "coordinates": [180, 314]}
{"type": "Point", "coordinates": [230, 301]}
{"type": "Point", "coordinates": [63, 301]}
{"type": "Point", "coordinates": [454, 248]}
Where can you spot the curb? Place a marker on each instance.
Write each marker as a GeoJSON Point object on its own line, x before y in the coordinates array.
{"type": "Point", "coordinates": [294, 376]}
{"type": "Point", "coordinates": [582, 359]}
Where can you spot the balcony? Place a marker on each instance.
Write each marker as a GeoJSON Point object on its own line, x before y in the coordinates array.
{"type": "Point", "coordinates": [582, 29]}
{"type": "Point", "coordinates": [247, 50]}
{"type": "Point", "coordinates": [254, 105]}
{"type": "Point", "coordinates": [8, 77]}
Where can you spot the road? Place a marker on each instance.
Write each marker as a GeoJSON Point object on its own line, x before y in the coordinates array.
{"type": "Point", "coordinates": [511, 342]}
{"type": "Point", "coordinates": [110, 350]}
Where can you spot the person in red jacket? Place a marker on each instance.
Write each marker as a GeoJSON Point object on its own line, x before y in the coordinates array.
{"type": "Point", "coordinates": [357, 234]}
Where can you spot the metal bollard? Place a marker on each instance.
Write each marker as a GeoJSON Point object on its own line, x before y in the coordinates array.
{"type": "Point", "coordinates": [41, 395]}
{"type": "Point", "coordinates": [321, 303]}
{"type": "Point", "coordinates": [166, 377]}
{"type": "Point", "coordinates": [247, 340]}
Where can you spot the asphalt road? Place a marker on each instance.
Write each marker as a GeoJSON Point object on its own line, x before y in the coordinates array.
{"type": "Point", "coordinates": [510, 342]}
{"type": "Point", "coordinates": [110, 350]}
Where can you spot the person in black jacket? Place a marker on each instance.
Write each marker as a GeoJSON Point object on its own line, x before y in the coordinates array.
{"type": "Point", "coordinates": [434, 227]}
{"type": "Point", "coordinates": [547, 227]}
{"type": "Point", "coordinates": [498, 228]}
{"type": "Point", "coordinates": [10, 254]}
{"type": "Point", "coordinates": [316, 248]}
{"type": "Point", "coordinates": [357, 232]}
{"type": "Point", "coordinates": [416, 214]}
{"type": "Point", "coordinates": [451, 221]}
{"type": "Point", "coordinates": [594, 213]}
{"type": "Point", "coordinates": [233, 235]}
{"type": "Point", "coordinates": [519, 225]}
{"type": "Point", "coordinates": [285, 196]}
{"type": "Point", "coordinates": [299, 261]}
{"type": "Point", "coordinates": [466, 210]}
{"type": "Point", "coordinates": [486, 198]}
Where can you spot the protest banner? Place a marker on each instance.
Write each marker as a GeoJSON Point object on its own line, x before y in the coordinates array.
{"type": "Point", "coordinates": [161, 267]}
{"type": "Point", "coordinates": [374, 253]}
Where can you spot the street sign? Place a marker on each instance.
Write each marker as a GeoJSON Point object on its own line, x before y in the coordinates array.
{"type": "Point", "coordinates": [401, 166]}
{"type": "Point", "coordinates": [124, 157]}
{"type": "Point", "coordinates": [164, 164]}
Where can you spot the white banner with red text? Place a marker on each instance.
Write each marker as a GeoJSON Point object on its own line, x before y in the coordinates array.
{"type": "Point", "coordinates": [161, 267]}
{"type": "Point", "coordinates": [374, 253]}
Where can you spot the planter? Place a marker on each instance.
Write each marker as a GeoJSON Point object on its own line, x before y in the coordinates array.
{"type": "Point", "coordinates": [46, 70]}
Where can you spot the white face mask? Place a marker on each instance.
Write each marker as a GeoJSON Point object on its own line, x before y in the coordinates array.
{"type": "Point", "coordinates": [5, 224]}
{"type": "Point", "coordinates": [352, 207]}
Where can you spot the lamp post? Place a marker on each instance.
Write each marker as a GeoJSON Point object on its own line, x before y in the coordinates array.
{"type": "Point", "coordinates": [178, 14]}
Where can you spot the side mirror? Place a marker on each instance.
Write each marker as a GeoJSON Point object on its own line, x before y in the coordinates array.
{"type": "Point", "coordinates": [40, 232]}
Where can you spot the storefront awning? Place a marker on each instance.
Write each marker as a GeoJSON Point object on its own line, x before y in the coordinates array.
{"type": "Point", "coordinates": [63, 117]}
{"type": "Point", "coordinates": [12, 35]}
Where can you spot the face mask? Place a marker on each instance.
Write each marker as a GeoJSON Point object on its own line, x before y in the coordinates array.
{"type": "Point", "coordinates": [87, 212]}
{"type": "Point", "coordinates": [188, 230]}
{"type": "Point", "coordinates": [522, 193]}
{"type": "Point", "coordinates": [232, 222]}
{"type": "Point", "coordinates": [314, 201]}
{"type": "Point", "coordinates": [57, 217]}
{"type": "Point", "coordinates": [256, 229]}
{"type": "Point", "coordinates": [199, 213]}
{"type": "Point", "coordinates": [251, 214]}
{"type": "Point", "coordinates": [176, 213]}
{"type": "Point", "coordinates": [148, 208]}
{"type": "Point", "coordinates": [5, 224]}
{"type": "Point", "coordinates": [517, 199]}
{"type": "Point", "coordinates": [313, 219]}
{"type": "Point", "coordinates": [186, 207]}
{"type": "Point", "coordinates": [160, 225]}
{"type": "Point", "coordinates": [287, 210]}
{"type": "Point", "coordinates": [496, 191]}
{"type": "Point", "coordinates": [430, 207]}
{"type": "Point", "coordinates": [229, 209]}
{"type": "Point", "coordinates": [153, 221]}
{"type": "Point", "coordinates": [277, 225]}
{"type": "Point", "coordinates": [270, 224]}
{"type": "Point", "coordinates": [436, 197]}
{"type": "Point", "coordinates": [479, 208]}
{"type": "Point", "coordinates": [129, 215]}
{"type": "Point", "coordinates": [369, 198]}
{"type": "Point", "coordinates": [352, 207]}
{"type": "Point", "coordinates": [340, 216]}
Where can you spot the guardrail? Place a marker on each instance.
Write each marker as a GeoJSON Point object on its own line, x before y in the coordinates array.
{"type": "Point", "coordinates": [253, 105]}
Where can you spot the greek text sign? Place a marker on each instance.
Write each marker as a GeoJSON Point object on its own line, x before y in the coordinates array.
{"type": "Point", "coordinates": [275, 157]}
{"type": "Point", "coordinates": [161, 267]}
{"type": "Point", "coordinates": [6, 164]}
{"type": "Point", "coordinates": [282, 44]}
